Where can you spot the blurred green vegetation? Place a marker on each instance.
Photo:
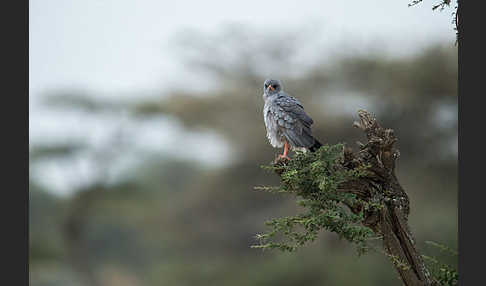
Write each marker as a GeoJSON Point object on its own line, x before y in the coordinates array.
{"type": "Point", "coordinates": [173, 221]}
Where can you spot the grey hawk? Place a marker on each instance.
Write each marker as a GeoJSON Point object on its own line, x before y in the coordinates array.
{"type": "Point", "coordinates": [286, 122]}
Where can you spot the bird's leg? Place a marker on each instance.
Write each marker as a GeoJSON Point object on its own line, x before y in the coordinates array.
{"type": "Point", "coordinates": [286, 150]}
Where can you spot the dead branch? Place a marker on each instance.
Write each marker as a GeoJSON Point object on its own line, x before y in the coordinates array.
{"type": "Point", "coordinates": [381, 184]}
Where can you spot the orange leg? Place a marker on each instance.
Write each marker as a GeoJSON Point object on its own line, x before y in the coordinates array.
{"type": "Point", "coordinates": [286, 151]}
{"type": "Point", "coordinates": [286, 148]}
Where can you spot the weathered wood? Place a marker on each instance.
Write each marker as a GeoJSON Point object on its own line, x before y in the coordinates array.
{"type": "Point", "coordinates": [381, 185]}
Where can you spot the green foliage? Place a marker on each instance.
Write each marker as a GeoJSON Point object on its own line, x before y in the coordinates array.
{"type": "Point", "coordinates": [397, 261]}
{"type": "Point", "coordinates": [444, 273]}
{"type": "Point", "coordinates": [314, 179]}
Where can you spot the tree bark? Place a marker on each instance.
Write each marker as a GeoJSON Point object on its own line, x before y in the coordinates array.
{"type": "Point", "coordinates": [381, 185]}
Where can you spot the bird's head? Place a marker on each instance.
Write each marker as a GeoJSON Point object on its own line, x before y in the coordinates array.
{"type": "Point", "coordinates": [272, 86]}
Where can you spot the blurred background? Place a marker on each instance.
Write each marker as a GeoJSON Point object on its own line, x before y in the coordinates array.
{"type": "Point", "coordinates": [147, 134]}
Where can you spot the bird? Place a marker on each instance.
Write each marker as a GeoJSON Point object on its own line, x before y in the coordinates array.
{"type": "Point", "coordinates": [286, 122]}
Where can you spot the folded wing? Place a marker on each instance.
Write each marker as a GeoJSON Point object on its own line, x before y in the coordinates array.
{"type": "Point", "coordinates": [292, 121]}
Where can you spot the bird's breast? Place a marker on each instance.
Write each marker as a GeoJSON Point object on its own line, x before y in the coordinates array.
{"type": "Point", "coordinates": [273, 132]}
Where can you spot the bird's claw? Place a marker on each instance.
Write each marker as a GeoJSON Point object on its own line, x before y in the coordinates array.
{"type": "Point", "coordinates": [283, 158]}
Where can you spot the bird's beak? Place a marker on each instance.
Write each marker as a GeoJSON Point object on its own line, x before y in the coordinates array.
{"type": "Point", "coordinates": [270, 87]}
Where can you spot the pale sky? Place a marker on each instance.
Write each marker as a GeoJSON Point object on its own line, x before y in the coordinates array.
{"type": "Point", "coordinates": [120, 45]}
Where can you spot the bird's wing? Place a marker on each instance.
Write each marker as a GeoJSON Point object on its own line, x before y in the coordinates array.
{"type": "Point", "coordinates": [294, 108]}
{"type": "Point", "coordinates": [291, 118]}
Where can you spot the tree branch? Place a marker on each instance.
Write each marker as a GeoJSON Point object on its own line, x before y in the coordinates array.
{"type": "Point", "coordinates": [380, 184]}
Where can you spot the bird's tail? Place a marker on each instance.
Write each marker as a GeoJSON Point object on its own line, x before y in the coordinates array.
{"type": "Point", "coordinates": [316, 146]}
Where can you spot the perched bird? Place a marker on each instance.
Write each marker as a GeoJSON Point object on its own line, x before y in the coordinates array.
{"type": "Point", "coordinates": [286, 122]}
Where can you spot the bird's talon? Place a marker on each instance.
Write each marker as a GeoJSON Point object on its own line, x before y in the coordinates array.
{"type": "Point", "coordinates": [282, 158]}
